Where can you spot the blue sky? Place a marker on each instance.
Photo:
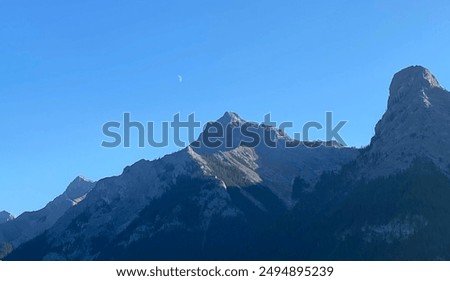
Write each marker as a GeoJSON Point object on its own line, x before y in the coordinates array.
{"type": "Point", "coordinates": [67, 67]}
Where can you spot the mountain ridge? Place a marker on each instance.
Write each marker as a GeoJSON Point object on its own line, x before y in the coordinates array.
{"type": "Point", "coordinates": [242, 182]}
{"type": "Point", "coordinates": [252, 202]}
{"type": "Point", "coordinates": [30, 224]}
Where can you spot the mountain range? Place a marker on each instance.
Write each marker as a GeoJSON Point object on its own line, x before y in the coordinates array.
{"type": "Point", "coordinates": [308, 201]}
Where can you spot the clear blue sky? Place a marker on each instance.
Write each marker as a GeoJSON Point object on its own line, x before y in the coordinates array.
{"type": "Point", "coordinates": [67, 67]}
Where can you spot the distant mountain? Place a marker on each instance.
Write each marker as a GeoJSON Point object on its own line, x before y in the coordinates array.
{"type": "Point", "coordinates": [238, 200]}
{"type": "Point", "coordinates": [193, 204]}
{"type": "Point", "coordinates": [5, 217]}
{"type": "Point", "coordinates": [30, 224]}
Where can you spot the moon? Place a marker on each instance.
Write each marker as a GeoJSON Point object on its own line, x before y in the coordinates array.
{"type": "Point", "coordinates": [180, 78]}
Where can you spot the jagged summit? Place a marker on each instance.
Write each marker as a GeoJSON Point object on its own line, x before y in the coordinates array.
{"type": "Point", "coordinates": [416, 99]}
{"type": "Point", "coordinates": [231, 118]}
{"type": "Point", "coordinates": [78, 187]}
{"type": "Point", "coordinates": [415, 124]}
{"type": "Point", "coordinates": [5, 216]}
{"type": "Point", "coordinates": [30, 224]}
{"type": "Point", "coordinates": [413, 84]}
{"type": "Point", "coordinates": [413, 77]}
{"type": "Point", "coordinates": [230, 131]}
{"type": "Point", "coordinates": [206, 202]}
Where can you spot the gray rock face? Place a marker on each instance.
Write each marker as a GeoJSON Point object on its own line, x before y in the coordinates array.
{"type": "Point", "coordinates": [5, 217]}
{"type": "Point", "coordinates": [222, 183]}
{"type": "Point", "coordinates": [416, 124]}
{"type": "Point", "coordinates": [30, 224]}
{"type": "Point", "coordinates": [274, 167]}
{"type": "Point", "coordinates": [192, 201]}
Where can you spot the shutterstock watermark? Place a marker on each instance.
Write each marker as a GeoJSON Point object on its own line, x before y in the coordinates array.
{"type": "Point", "coordinates": [224, 133]}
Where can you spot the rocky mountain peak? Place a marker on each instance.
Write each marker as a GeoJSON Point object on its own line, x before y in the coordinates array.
{"type": "Point", "coordinates": [5, 217]}
{"type": "Point", "coordinates": [231, 118]}
{"type": "Point", "coordinates": [415, 124]}
{"type": "Point", "coordinates": [416, 102]}
{"type": "Point", "coordinates": [412, 84]}
{"type": "Point", "coordinates": [413, 77]}
{"type": "Point", "coordinates": [79, 187]}
{"type": "Point", "coordinates": [230, 131]}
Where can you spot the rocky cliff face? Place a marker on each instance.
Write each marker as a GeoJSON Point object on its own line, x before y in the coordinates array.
{"type": "Point", "coordinates": [391, 202]}
{"type": "Point", "coordinates": [388, 201]}
{"type": "Point", "coordinates": [187, 201]}
{"type": "Point", "coordinates": [416, 123]}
